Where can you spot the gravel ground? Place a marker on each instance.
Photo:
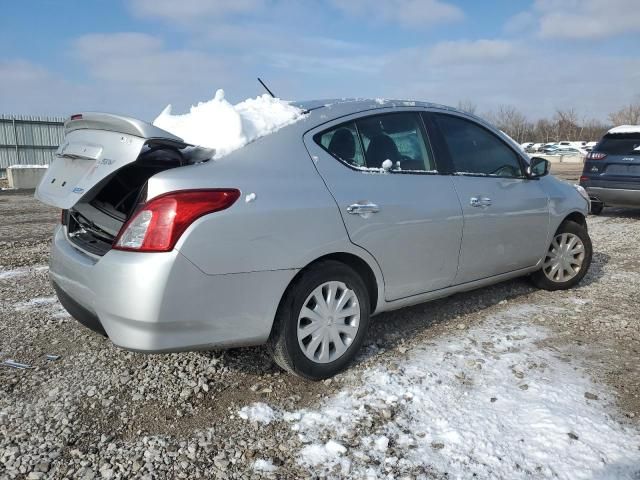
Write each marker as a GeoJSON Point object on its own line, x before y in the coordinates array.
{"type": "Point", "coordinates": [100, 412]}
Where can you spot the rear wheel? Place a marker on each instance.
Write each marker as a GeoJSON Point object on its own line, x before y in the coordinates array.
{"type": "Point", "coordinates": [321, 322]}
{"type": "Point", "coordinates": [567, 260]}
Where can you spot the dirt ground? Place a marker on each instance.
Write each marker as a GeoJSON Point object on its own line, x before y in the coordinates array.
{"type": "Point", "coordinates": [99, 411]}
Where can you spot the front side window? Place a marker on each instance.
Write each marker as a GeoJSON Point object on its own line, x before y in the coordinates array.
{"type": "Point", "coordinates": [474, 150]}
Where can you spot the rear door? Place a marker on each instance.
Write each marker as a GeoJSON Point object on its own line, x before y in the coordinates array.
{"type": "Point", "coordinates": [407, 216]}
{"type": "Point", "coordinates": [506, 215]}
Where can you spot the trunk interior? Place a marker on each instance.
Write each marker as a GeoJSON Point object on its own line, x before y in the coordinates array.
{"type": "Point", "coordinates": [94, 222]}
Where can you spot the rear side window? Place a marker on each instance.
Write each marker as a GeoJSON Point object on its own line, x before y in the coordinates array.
{"type": "Point", "coordinates": [343, 143]}
{"type": "Point", "coordinates": [624, 144]}
{"type": "Point", "coordinates": [476, 151]}
{"type": "Point", "coordinates": [369, 141]}
{"type": "Point", "coordinates": [397, 137]}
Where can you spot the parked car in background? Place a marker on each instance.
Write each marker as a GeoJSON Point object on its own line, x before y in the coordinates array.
{"type": "Point", "coordinates": [526, 145]}
{"type": "Point", "coordinates": [589, 146]}
{"type": "Point", "coordinates": [534, 148]}
{"type": "Point", "coordinates": [549, 149]}
{"type": "Point", "coordinates": [561, 150]}
{"type": "Point", "coordinates": [611, 173]}
{"type": "Point", "coordinates": [297, 238]}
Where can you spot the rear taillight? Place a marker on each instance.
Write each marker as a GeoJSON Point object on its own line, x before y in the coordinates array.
{"type": "Point", "coordinates": [158, 225]}
{"type": "Point", "coordinates": [596, 155]}
{"type": "Point", "coordinates": [63, 217]}
{"type": "Point", "coordinates": [583, 179]}
{"type": "Point", "coordinates": [76, 116]}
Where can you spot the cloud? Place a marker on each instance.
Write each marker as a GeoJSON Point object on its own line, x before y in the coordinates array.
{"type": "Point", "coordinates": [520, 23]}
{"type": "Point", "coordinates": [463, 51]}
{"type": "Point", "coordinates": [579, 19]}
{"type": "Point", "coordinates": [412, 13]}
{"type": "Point", "coordinates": [181, 11]}
{"type": "Point", "coordinates": [141, 69]}
{"type": "Point", "coordinates": [517, 80]}
{"type": "Point", "coordinates": [28, 88]}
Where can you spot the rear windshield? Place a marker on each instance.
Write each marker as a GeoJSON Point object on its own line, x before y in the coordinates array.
{"type": "Point", "coordinates": [626, 144]}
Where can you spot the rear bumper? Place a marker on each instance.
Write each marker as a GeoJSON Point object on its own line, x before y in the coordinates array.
{"type": "Point", "coordinates": [615, 197]}
{"type": "Point", "coordinates": [156, 302]}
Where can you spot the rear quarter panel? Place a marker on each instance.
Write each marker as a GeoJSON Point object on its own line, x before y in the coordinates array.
{"type": "Point", "coordinates": [284, 219]}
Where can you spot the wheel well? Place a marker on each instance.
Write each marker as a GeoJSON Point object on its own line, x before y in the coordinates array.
{"type": "Point", "coordinates": [576, 217]}
{"type": "Point", "coordinates": [358, 265]}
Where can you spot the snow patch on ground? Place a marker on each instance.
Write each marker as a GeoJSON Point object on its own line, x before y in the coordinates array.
{"type": "Point", "coordinates": [488, 402]}
{"type": "Point", "coordinates": [56, 310]}
{"type": "Point", "coordinates": [261, 465]}
{"type": "Point", "coordinates": [258, 412]}
{"type": "Point", "coordinates": [225, 127]}
{"type": "Point", "coordinates": [18, 272]}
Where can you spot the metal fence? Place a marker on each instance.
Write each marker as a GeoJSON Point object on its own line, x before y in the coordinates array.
{"type": "Point", "coordinates": [29, 139]}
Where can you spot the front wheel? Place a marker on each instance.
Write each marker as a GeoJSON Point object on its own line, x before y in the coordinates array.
{"type": "Point", "coordinates": [321, 322]}
{"type": "Point", "coordinates": [567, 260]}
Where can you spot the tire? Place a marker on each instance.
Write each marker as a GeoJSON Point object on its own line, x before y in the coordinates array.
{"type": "Point", "coordinates": [596, 208]}
{"type": "Point", "coordinates": [286, 346]}
{"type": "Point", "coordinates": [568, 274]}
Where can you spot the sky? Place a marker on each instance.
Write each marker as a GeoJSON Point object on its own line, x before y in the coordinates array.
{"type": "Point", "coordinates": [134, 57]}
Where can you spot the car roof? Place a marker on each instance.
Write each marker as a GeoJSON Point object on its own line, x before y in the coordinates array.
{"type": "Point", "coordinates": [326, 110]}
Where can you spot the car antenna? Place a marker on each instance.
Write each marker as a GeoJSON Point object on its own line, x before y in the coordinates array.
{"type": "Point", "coordinates": [266, 88]}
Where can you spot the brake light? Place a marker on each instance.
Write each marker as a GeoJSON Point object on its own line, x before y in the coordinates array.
{"type": "Point", "coordinates": [76, 116]}
{"type": "Point", "coordinates": [160, 223]}
{"type": "Point", "coordinates": [596, 155]}
{"type": "Point", "coordinates": [63, 214]}
{"type": "Point", "coordinates": [583, 179]}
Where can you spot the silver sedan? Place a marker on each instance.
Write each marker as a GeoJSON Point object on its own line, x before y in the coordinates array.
{"type": "Point", "coordinates": [299, 237]}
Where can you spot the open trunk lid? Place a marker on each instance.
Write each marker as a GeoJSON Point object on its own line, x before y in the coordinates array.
{"type": "Point", "coordinates": [100, 172]}
{"type": "Point", "coordinates": [96, 145]}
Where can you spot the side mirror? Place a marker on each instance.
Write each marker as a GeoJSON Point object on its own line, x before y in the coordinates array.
{"type": "Point", "coordinates": [538, 167]}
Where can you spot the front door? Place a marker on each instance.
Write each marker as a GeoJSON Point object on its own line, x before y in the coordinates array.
{"type": "Point", "coordinates": [506, 214]}
{"type": "Point", "coordinates": [394, 204]}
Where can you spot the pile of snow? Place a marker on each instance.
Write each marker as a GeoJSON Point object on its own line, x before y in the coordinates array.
{"type": "Point", "coordinates": [489, 402]}
{"type": "Point", "coordinates": [625, 129]}
{"type": "Point", "coordinates": [225, 127]}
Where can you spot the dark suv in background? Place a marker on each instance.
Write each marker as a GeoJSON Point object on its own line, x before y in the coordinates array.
{"type": "Point", "coordinates": [611, 172]}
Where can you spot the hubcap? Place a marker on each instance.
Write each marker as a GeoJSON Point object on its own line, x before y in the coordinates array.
{"type": "Point", "coordinates": [564, 258]}
{"type": "Point", "coordinates": [328, 322]}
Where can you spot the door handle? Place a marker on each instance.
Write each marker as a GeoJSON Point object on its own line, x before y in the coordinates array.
{"type": "Point", "coordinates": [480, 201]}
{"type": "Point", "coordinates": [364, 209]}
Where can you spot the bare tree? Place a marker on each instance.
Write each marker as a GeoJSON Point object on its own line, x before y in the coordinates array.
{"type": "Point", "coordinates": [511, 121]}
{"type": "Point", "coordinates": [467, 106]}
{"type": "Point", "coordinates": [594, 130]}
{"type": "Point", "coordinates": [567, 124]}
{"type": "Point", "coordinates": [629, 115]}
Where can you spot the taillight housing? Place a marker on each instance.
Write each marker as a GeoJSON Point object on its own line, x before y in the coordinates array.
{"type": "Point", "coordinates": [596, 155]}
{"type": "Point", "coordinates": [159, 223]}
